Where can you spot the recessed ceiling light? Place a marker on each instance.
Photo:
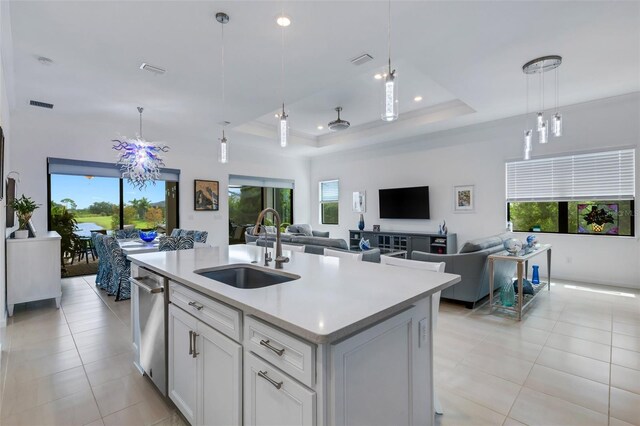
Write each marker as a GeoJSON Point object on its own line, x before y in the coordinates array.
{"type": "Point", "coordinates": [276, 115]}
{"type": "Point", "coordinates": [417, 98]}
{"type": "Point", "coordinates": [320, 127]}
{"type": "Point", "coordinates": [283, 21]}
{"type": "Point", "coordinates": [378, 76]}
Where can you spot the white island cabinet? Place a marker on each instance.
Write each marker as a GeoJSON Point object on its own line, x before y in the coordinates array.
{"type": "Point", "coordinates": [33, 269]}
{"type": "Point", "coordinates": [347, 343]}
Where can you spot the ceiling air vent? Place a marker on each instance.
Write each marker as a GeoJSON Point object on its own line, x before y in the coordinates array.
{"type": "Point", "coordinates": [362, 59]}
{"type": "Point", "coordinates": [152, 68]}
{"type": "Point", "coordinates": [40, 104]}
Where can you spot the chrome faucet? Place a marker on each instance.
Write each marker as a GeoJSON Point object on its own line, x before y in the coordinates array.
{"type": "Point", "coordinates": [267, 255]}
{"type": "Point", "coordinates": [280, 259]}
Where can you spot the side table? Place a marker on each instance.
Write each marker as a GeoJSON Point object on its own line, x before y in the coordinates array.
{"type": "Point", "coordinates": [523, 264]}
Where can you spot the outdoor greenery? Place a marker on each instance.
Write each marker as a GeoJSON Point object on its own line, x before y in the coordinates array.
{"type": "Point", "coordinates": [64, 223]}
{"type": "Point", "coordinates": [526, 215]}
{"type": "Point", "coordinates": [138, 212]}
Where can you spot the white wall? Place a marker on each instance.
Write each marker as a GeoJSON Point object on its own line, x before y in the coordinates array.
{"type": "Point", "coordinates": [39, 133]}
{"type": "Point", "coordinates": [476, 155]}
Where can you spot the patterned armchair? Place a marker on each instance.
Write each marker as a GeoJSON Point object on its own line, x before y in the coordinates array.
{"type": "Point", "coordinates": [175, 243]}
{"type": "Point", "coordinates": [120, 271]}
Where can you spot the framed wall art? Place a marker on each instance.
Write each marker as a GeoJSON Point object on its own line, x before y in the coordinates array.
{"type": "Point", "coordinates": [206, 195]}
{"type": "Point", "coordinates": [359, 202]}
{"type": "Point", "coordinates": [464, 199]}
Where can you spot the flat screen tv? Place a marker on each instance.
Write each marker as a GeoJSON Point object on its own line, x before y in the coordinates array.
{"type": "Point", "coordinates": [404, 203]}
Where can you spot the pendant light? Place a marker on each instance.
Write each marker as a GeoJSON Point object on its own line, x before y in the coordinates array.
{"type": "Point", "coordinates": [540, 66]}
{"type": "Point", "coordinates": [390, 97]}
{"type": "Point", "coordinates": [283, 127]}
{"type": "Point", "coordinates": [557, 117]}
{"type": "Point", "coordinates": [139, 160]}
{"type": "Point", "coordinates": [528, 133]}
{"type": "Point", "coordinates": [223, 151]}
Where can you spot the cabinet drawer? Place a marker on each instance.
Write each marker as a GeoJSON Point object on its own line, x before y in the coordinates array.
{"type": "Point", "coordinates": [292, 355]}
{"type": "Point", "coordinates": [273, 398]}
{"type": "Point", "coordinates": [221, 317]}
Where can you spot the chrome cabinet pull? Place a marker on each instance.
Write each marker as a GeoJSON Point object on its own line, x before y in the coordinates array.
{"type": "Point", "coordinates": [263, 374]}
{"type": "Point", "coordinates": [195, 351]}
{"type": "Point", "coordinates": [196, 305]}
{"type": "Point", "coordinates": [268, 345]}
{"type": "Point", "coordinates": [190, 342]}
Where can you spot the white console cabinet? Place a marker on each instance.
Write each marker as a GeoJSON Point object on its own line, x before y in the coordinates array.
{"type": "Point", "coordinates": [33, 269]}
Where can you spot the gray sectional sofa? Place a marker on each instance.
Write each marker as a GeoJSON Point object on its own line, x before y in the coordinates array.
{"type": "Point", "coordinates": [314, 241]}
{"type": "Point", "coordinates": [471, 264]}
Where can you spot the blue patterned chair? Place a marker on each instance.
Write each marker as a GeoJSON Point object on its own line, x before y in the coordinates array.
{"type": "Point", "coordinates": [120, 272]}
{"type": "Point", "coordinates": [98, 245]}
{"type": "Point", "coordinates": [198, 236]}
{"type": "Point", "coordinates": [125, 234]}
{"type": "Point", "coordinates": [106, 280]}
{"type": "Point", "coordinates": [175, 243]}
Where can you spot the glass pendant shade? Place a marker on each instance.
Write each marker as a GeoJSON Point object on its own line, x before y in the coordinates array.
{"type": "Point", "coordinates": [543, 133]}
{"type": "Point", "coordinates": [223, 153]}
{"type": "Point", "coordinates": [527, 144]}
{"type": "Point", "coordinates": [557, 125]}
{"type": "Point", "coordinates": [390, 104]}
{"type": "Point", "coordinates": [540, 120]}
{"type": "Point", "coordinates": [283, 129]}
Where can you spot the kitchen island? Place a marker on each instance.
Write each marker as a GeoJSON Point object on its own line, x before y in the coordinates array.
{"type": "Point", "coordinates": [342, 342]}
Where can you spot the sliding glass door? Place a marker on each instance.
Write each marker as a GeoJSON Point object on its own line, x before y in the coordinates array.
{"type": "Point", "coordinates": [246, 203]}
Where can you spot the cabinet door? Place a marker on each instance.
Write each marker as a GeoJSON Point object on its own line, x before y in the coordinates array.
{"type": "Point", "coordinates": [419, 244]}
{"type": "Point", "coordinates": [273, 398]}
{"type": "Point", "coordinates": [182, 363]}
{"type": "Point", "coordinates": [219, 378]}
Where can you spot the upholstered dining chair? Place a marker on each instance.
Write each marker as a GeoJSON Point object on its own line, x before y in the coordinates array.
{"type": "Point", "coordinates": [343, 254]}
{"type": "Point", "coordinates": [125, 234]}
{"type": "Point", "coordinates": [435, 299]}
{"type": "Point", "coordinates": [98, 245]}
{"type": "Point", "coordinates": [106, 280]}
{"type": "Point", "coordinates": [120, 271]}
{"type": "Point", "coordinates": [175, 243]}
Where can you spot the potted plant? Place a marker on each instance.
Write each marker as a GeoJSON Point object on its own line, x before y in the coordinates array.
{"type": "Point", "coordinates": [24, 208]}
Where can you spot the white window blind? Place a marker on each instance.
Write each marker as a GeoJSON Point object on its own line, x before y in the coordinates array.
{"type": "Point", "coordinates": [608, 175]}
{"type": "Point", "coordinates": [329, 191]}
{"type": "Point", "coordinates": [64, 166]}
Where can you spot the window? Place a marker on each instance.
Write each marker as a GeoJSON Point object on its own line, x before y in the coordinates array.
{"type": "Point", "coordinates": [578, 194]}
{"type": "Point", "coordinates": [248, 196]}
{"type": "Point", "coordinates": [329, 195]}
{"type": "Point", "coordinates": [98, 198]}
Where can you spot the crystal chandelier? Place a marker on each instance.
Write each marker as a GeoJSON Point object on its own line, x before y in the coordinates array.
{"type": "Point", "coordinates": [540, 66]}
{"type": "Point", "coordinates": [223, 150]}
{"type": "Point", "coordinates": [139, 160]}
{"type": "Point", "coordinates": [390, 96]}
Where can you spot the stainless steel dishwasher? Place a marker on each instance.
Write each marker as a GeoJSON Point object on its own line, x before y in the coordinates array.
{"type": "Point", "coordinates": [152, 313]}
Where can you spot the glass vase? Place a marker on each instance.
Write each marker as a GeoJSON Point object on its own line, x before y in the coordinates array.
{"type": "Point", "coordinates": [507, 294]}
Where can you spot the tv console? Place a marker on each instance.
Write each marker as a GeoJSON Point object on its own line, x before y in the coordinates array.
{"type": "Point", "coordinates": [396, 241]}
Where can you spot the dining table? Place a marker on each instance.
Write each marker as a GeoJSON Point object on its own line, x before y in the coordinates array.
{"type": "Point", "coordinates": [137, 246]}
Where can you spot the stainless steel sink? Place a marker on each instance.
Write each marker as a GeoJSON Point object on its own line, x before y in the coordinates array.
{"type": "Point", "coordinates": [246, 276]}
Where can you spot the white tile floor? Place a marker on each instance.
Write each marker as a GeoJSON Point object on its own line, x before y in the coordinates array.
{"type": "Point", "coordinates": [574, 359]}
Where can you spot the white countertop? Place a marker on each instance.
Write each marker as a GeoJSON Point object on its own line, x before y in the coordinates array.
{"type": "Point", "coordinates": [332, 299]}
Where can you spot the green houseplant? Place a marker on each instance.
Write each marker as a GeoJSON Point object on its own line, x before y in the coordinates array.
{"type": "Point", "coordinates": [24, 208]}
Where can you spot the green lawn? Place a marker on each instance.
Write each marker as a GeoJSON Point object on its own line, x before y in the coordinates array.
{"type": "Point", "coordinates": [104, 221]}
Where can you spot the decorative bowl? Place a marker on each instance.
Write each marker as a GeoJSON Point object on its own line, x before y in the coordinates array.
{"type": "Point", "coordinates": [148, 236]}
{"type": "Point", "coordinates": [513, 246]}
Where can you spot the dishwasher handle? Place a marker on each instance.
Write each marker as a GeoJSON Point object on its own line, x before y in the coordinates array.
{"type": "Point", "coordinates": [145, 287]}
